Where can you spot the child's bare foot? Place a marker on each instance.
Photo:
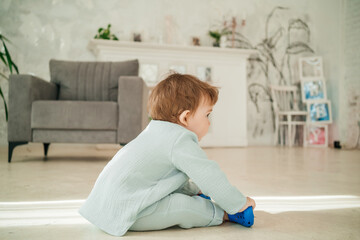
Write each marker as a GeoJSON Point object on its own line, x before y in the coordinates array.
{"type": "Point", "coordinates": [249, 203]}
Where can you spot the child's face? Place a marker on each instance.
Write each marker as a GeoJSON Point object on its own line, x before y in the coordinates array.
{"type": "Point", "coordinates": [199, 122]}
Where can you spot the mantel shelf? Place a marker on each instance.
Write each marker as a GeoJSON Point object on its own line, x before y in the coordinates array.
{"type": "Point", "coordinates": [96, 44]}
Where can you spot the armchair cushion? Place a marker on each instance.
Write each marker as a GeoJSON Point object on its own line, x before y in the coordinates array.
{"type": "Point", "coordinates": [79, 115]}
{"type": "Point", "coordinates": [90, 81]}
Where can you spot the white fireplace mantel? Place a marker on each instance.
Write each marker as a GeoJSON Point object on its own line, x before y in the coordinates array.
{"type": "Point", "coordinates": [226, 69]}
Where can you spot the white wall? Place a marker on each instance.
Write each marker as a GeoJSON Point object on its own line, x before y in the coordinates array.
{"type": "Point", "coordinates": [327, 39]}
{"type": "Point", "coordinates": [349, 94]}
{"type": "Point", "coordinates": [41, 30]}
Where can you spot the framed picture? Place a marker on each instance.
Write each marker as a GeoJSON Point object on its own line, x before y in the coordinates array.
{"type": "Point", "coordinates": [310, 68]}
{"type": "Point", "coordinates": [320, 111]}
{"type": "Point", "coordinates": [204, 73]}
{"type": "Point", "coordinates": [178, 68]}
{"type": "Point", "coordinates": [313, 89]}
{"type": "Point", "coordinates": [149, 72]}
{"type": "Point", "coordinates": [318, 135]}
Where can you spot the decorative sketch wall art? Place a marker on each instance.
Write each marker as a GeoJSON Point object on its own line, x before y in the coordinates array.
{"type": "Point", "coordinates": [285, 40]}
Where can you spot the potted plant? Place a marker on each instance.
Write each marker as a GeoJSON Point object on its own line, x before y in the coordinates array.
{"type": "Point", "coordinates": [105, 34]}
{"type": "Point", "coordinates": [9, 64]}
{"type": "Point", "coordinates": [216, 35]}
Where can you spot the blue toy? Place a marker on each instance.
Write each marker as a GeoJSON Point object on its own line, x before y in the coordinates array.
{"type": "Point", "coordinates": [245, 218]}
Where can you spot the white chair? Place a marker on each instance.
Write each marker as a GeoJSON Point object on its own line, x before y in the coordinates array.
{"type": "Point", "coordinates": [287, 113]}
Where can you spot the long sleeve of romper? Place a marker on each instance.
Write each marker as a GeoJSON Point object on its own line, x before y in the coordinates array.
{"type": "Point", "coordinates": [188, 157]}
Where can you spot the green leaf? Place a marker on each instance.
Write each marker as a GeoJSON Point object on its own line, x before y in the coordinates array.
{"type": "Point", "coordinates": [8, 57]}
{"type": "Point", "coordinates": [215, 35]}
{"type": "Point", "coordinates": [105, 34]}
{"type": "Point", "coordinates": [15, 67]}
{"type": "Point", "coordinates": [5, 106]}
{"type": "Point", "coordinates": [3, 59]}
{"type": "Point", "coordinates": [3, 37]}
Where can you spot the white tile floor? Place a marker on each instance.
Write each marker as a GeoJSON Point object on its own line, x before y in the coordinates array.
{"type": "Point", "coordinates": [301, 193]}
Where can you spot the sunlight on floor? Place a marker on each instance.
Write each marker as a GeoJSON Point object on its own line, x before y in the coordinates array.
{"type": "Point", "coordinates": [66, 212]}
{"type": "Point", "coordinates": [273, 204]}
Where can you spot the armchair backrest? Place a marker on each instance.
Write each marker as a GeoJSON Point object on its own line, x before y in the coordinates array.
{"type": "Point", "coordinates": [90, 81]}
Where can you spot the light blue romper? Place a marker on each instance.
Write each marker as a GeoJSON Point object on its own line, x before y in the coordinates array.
{"type": "Point", "coordinates": [146, 185]}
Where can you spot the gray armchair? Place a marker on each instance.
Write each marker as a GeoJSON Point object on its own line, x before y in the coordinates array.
{"type": "Point", "coordinates": [84, 102]}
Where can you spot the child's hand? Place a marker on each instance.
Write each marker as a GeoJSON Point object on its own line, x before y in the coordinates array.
{"type": "Point", "coordinates": [249, 203]}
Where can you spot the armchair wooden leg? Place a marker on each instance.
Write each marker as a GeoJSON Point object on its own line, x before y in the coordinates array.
{"type": "Point", "coordinates": [46, 148]}
{"type": "Point", "coordinates": [12, 145]}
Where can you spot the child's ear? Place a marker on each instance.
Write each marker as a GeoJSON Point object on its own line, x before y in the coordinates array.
{"type": "Point", "coordinates": [183, 118]}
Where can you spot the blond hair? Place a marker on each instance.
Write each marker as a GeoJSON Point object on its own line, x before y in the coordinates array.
{"type": "Point", "coordinates": [177, 93]}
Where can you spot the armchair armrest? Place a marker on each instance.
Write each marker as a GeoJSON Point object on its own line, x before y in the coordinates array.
{"type": "Point", "coordinates": [132, 99]}
{"type": "Point", "coordinates": [23, 90]}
